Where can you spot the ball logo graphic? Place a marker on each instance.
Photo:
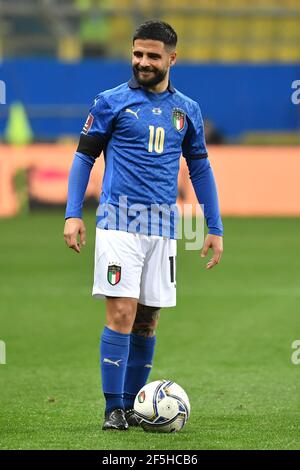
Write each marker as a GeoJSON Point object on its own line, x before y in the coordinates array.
{"type": "Point", "coordinates": [141, 397]}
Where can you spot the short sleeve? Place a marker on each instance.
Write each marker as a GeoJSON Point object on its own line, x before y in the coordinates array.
{"type": "Point", "coordinates": [193, 145]}
{"type": "Point", "coordinates": [97, 129]}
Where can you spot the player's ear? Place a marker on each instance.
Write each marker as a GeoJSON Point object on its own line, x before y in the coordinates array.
{"type": "Point", "coordinates": [173, 57]}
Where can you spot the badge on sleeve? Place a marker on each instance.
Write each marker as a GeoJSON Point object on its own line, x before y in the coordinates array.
{"type": "Point", "coordinates": [88, 123]}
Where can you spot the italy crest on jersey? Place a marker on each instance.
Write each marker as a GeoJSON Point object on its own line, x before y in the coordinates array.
{"type": "Point", "coordinates": [113, 274]}
{"type": "Point", "coordinates": [178, 118]}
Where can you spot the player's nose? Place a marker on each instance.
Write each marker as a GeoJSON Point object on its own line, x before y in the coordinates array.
{"type": "Point", "coordinates": [144, 62]}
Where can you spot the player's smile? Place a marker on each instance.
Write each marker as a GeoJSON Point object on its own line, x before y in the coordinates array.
{"type": "Point", "coordinates": [145, 69]}
{"type": "Point", "coordinates": [145, 72]}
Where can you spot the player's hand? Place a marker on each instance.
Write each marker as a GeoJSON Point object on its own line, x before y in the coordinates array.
{"type": "Point", "coordinates": [73, 228]}
{"type": "Point", "coordinates": [215, 242]}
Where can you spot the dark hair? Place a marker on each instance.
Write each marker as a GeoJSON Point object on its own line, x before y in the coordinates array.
{"type": "Point", "coordinates": [158, 31]}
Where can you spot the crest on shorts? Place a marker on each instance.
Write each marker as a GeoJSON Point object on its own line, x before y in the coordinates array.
{"type": "Point", "coordinates": [113, 274]}
{"type": "Point", "coordinates": [178, 119]}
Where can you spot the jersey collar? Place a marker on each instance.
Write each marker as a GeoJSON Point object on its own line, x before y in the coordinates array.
{"type": "Point", "coordinates": [133, 83]}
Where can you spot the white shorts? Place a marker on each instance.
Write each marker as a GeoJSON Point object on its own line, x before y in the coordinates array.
{"type": "Point", "coordinates": [134, 265]}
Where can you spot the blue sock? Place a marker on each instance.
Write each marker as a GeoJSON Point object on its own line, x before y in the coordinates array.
{"type": "Point", "coordinates": [139, 366]}
{"type": "Point", "coordinates": [114, 349]}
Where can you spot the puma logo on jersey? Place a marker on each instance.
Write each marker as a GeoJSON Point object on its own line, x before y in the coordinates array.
{"type": "Point", "coordinates": [115, 363]}
{"type": "Point", "coordinates": [128, 110]}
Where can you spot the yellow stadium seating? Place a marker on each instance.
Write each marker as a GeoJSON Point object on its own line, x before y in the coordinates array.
{"type": "Point", "coordinates": [212, 30]}
{"type": "Point", "coordinates": [287, 52]}
{"type": "Point", "coordinates": [228, 52]}
{"type": "Point", "coordinates": [121, 30]}
{"type": "Point", "coordinates": [257, 53]}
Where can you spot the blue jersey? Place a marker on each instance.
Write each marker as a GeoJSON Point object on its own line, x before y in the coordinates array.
{"type": "Point", "coordinates": [142, 135]}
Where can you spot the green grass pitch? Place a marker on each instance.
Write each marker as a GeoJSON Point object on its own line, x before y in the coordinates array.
{"type": "Point", "coordinates": [228, 341]}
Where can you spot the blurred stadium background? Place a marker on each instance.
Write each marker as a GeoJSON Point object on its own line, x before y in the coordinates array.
{"type": "Point", "coordinates": [239, 60]}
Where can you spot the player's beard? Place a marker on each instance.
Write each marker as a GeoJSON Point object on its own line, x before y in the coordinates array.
{"type": "Point", "coordinates": [157, 76]}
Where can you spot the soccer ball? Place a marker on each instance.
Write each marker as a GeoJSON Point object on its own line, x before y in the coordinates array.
{"type": "Point", "coordinates": [162, 406]}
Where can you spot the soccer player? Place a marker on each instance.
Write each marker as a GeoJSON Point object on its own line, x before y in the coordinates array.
{"type": "Point", "coordinates": [142, 127]}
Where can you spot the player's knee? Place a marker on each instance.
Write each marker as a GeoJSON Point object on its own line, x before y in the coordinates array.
{"type": "Point", "coordinates": [146, 321]}
{"type": "Point", "coordinates": [122, 318]}
{"type": "Point", "coordinates": [121, 314]}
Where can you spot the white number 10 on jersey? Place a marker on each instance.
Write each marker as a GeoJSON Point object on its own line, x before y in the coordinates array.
{"type": "Point", "coordinates": [157, 136]}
